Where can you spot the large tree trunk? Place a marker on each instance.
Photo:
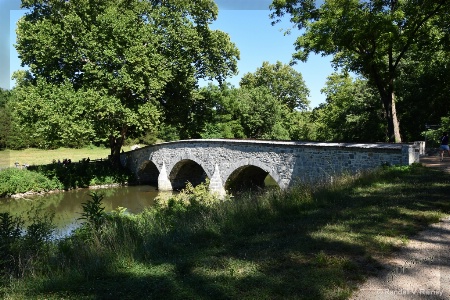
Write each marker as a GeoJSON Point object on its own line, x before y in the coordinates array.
{"type": "Point", "coordinates": [393, 130]}
{"type": "Point", "coordinates": [387, 94]}
{"type": "Point", "coordinates": [116, 144]}
{"type": "Point", "coordinates": [395, 121]}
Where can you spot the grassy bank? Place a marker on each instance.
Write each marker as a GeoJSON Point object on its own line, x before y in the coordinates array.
{"type": "Point", "coordinates": [43, 175]}
{"type": "Point", "coordinates": [304, 243]}
{"type": "Point", "coordinates": [44, 178]}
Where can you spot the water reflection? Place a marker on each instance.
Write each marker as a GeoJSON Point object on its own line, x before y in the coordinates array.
{"type": "Point", "coordinates": [67, 205]}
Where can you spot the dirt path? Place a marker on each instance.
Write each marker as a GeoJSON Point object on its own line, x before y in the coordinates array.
{"type": "Point", "coordinates": [434, 162]}
{"type": "Point", "coordinates": [421, 270]}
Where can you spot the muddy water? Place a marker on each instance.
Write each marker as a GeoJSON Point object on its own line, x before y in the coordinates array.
{"type": "Point", "coordinates": [67, 205]}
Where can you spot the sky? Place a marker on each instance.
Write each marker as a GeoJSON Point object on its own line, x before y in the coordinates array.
{"type": "Point", "coordinates": [246, 21]}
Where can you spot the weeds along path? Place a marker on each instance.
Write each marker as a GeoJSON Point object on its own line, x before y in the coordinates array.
{"type": "Point", "coordinates": [421, 270]}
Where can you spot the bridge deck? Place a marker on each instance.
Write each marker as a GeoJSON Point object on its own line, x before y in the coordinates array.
{"type": "Point", "coordinates": [291, 143]}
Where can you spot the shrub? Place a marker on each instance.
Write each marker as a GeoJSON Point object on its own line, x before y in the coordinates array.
{"type": "Point", "coordinates": [25, 249]}
{"type": "Point", "coordinates": [93, 211]}
{"type": "Point", "coordinates": [190, 196]}
{"type": "Point", "coordinates": [84, 174]}
{"type": "Point", "coordinates": [10, 232]}
{"type": "Point", "coordinates": [13, 181]}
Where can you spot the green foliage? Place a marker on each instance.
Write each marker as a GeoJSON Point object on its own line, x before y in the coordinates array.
{"type": "Point", "coordinates": [11, 135]}
{"type": "Point", "coordinates": [261, 115]}
{"type": "Point", "coordinates": [152, 55]}
{"type": "Point", "coordinates": [251, 112]}
{"type": "Point", "coordinates": [14, 180]}
{"type": "Point", "coordinates": [10, 233]}
{"type": "Point", "coordinates": [263, 107]}
{"type": "Point", "coordinates": [370, 38]}
{"type": "Point", "coordinates": [301, 126]}
{"type": "Point", "coordinates": [283, 82]}
{"type": "Point", "coordinates": [5, 116]}
{"type": "Point", "coordinates": [93, 211]}
{"type": "Point", "coordinates": [56, 176]}
{"type": "Point", "coordinates": [424, 86]}
{"type": "Point", "coordinates": [433, 136]}
{"type": "Point", "coordinates": [84, 174]}
{"type": "Point", "coordinates": [190, 196]}
{"type": "Point", "coordinates": [351, 112]}
{"type": "Point", "coordinates": [25, 243]}
{"type": "Point", "coordinates": [223, 119]}
{"type": "Point", "coordinates": [60, 116]}
{"type": "Point", "coordinates": [168, 133]}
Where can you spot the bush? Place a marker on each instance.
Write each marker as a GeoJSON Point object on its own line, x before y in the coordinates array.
{"type": "Point", "coordinates": [84, 174]}
{"type": "Point", "coordinates": [25, 249]}
{"type": "Point", "coordinates": [190, 196]}
{"type": "Point", "coordinates": [93, 211]}
{"type": "Point", "coordinates": [14, 181]}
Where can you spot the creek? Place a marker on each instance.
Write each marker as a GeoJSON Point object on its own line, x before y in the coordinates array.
{"type": "Point", "coordinates": [67, 206]}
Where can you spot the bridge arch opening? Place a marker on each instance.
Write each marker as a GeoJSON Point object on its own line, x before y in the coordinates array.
{"type": "Point", "coordinates": [249, 178]}
{"type": "Point", "coordinates": [186, 171]}
{"type": "Point", "coordinates": [148, 173]}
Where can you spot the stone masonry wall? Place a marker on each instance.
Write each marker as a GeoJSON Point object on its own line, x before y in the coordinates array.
{"type": "Point", "coordinates": [286, 162]}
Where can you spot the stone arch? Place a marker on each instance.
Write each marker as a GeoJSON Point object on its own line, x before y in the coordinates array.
{"type": "Point", "coordinates": [187, 170]}
{"type": "Point", "coordinates": [147, 173]}
{"type": "Point", "coordinates": [249, 174]}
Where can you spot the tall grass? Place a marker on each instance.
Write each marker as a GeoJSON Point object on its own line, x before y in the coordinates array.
{"type": "Point", "coordinates": [305, 243]}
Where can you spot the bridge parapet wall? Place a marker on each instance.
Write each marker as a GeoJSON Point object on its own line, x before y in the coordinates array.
{"type": "Point", "coordinates": [286, 162]}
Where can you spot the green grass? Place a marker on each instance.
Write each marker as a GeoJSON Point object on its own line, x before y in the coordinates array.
{"type": "Point", "coordinates": [301, 244]}
{"type": "Point", "coordinates": [34, 156]}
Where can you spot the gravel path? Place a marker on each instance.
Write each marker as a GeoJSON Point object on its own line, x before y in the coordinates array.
{"type": "Point", "coordinates": [421, 270]}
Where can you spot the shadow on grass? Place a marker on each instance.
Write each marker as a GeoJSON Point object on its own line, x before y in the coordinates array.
{"type": "Point", "coordinates": [287, 248]}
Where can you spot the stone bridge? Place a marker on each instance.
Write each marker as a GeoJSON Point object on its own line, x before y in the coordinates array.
{"type": "Point", "coordinates": [239, 164]}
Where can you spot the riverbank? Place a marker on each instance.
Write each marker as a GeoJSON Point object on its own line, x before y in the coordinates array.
{"type": "Point", "coordinates": [304, 243]}
{"type": "Point", "coordinates": [93, 187]}
{"type": "Point", "coordinates": [57, 177]}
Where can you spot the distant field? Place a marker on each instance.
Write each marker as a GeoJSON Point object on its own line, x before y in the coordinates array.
{"type": "Point", "coordinates": [41, 157]}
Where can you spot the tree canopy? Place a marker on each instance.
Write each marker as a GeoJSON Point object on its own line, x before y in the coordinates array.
{"type": "Point", "coordinates": [371, 38]}
{"type": "Point", "coordinates": [284, 83]}
{"type": "Point", "coordinates": [351, 111]}
{"type": "Point", "coordinates": [131, 52]}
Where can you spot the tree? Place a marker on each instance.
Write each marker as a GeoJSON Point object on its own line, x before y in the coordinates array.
{"type": "Point", "coordinates": [284, 83]}
{"type": "Point", "coordinates": [261, 115]}
{"type": "Point", "coordinates": [222, 119]}
{"type": "Point", "coordinates": [59, 116]}
{"type": "Point", "coordinates": [424, 86]}
{"type": "Point", "coordinates": [244, 113]}
{"type": "Point", "coordinates": [371, 38]}
{"type": "Point", "coordinates": [5, 116]}
{"type": "Point", "coordinates": [11, 136]}
{"type": "Point", "coordinates": [351, 112]}
{"type": "Point", "coordinates": [131, 52]}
